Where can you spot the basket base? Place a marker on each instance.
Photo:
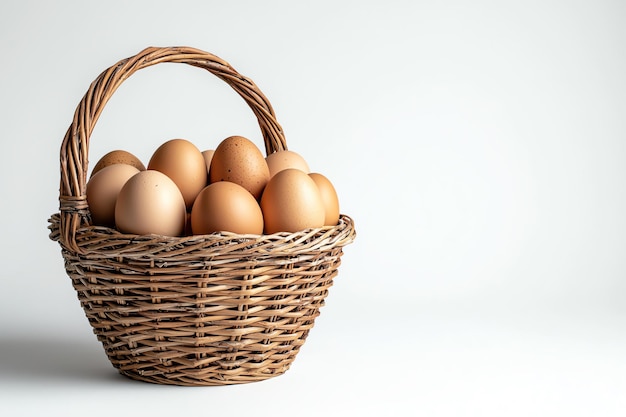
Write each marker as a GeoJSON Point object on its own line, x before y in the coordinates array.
{"type": "Point", "coordinates": [208, 381]}
{"type": "Point", "coordinates": [190, 370]}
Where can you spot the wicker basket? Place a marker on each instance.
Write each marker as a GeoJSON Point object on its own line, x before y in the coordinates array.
{"type": "Point", "coordinates": [198, 310]}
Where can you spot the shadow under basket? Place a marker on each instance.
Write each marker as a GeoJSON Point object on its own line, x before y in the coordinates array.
{"type": "Point", "coordinates": [195, 310]}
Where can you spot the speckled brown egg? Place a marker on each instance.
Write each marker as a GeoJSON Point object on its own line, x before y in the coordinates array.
{"type": "Point", "coordinates": [183, 162]}
{"type": "Point", "coordinates": [118, 156]}
{"type": "Point", "coordinates": [239, 160]}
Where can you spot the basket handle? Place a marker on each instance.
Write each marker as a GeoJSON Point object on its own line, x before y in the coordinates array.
{"type": "Point", "coordinates": [75, 147]}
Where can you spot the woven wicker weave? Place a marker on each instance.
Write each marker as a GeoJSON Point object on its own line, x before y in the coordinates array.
{"type": "Point", "coordinates": [197, 310]}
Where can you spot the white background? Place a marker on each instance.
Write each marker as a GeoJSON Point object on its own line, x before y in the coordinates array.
{"type": "Point", "coordinates": [480, 147]}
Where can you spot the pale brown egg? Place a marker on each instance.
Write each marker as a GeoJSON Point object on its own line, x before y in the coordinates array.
{"type": "Point", "coordinates": [226, 207]}
{"type": "Point", "coordinates": [183, 162]}
{"type": "Point", "coordinates": [280, 160]}
{"type": "Point", "coordinates": [292, 202]}
{"type": "Point", "coordinates": [103, 189]}
{"type": "Point", "coordinates": [150, 203]}
{"type": "Point", "coordinates": [118, 156]}
{"type": "Point", "coordinates": [237, 159]}
{"type": "Point", "coordinates": [208, 155]}
{"type": "Point", "coordinates": [329, 198]}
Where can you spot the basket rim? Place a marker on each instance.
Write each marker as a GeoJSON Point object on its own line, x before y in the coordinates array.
{"type": "Point", "coordinates": [103, 241]}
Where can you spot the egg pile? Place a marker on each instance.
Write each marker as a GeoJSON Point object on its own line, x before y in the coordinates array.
{"type": "Point", "coordinates": [184, 191]}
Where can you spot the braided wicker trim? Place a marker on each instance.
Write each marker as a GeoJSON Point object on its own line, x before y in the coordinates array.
{"type": "Point", "coordinates": [105, 242]}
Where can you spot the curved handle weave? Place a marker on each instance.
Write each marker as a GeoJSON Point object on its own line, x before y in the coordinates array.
{"type": "Point", "coordinates": [75, 146]}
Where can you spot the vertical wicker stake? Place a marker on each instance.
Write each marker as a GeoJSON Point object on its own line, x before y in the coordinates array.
{"type": "Point", "coordinates": [198, 310]}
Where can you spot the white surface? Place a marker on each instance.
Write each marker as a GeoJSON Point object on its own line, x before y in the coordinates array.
{"type": "Point", "coordinates": [479, 146]}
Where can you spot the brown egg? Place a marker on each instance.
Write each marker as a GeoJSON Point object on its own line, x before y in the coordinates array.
{"type": "Point", "coordinates": [292, 202]}
{"type": "Point", "coordinates": [329, 198]}
{"type": "Point", "coordinates": [188, 231]}
{"type": "Point", "coordinates": [280, 160]}
{"type": "Point", "coordinates": [150, 203]}
{"type": "Point", "coordinates": [237, 159]}
{"type": "Point", "coordinates": [103, 189]}
{"type": "Point", "coordinates": [226, 206]}
{"type": "Point", "coordinates": [208, 155]}
{"type": "Point", "coordinates": [118, 157]}
{"type": "Point", "coordinates": [183, 162]}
